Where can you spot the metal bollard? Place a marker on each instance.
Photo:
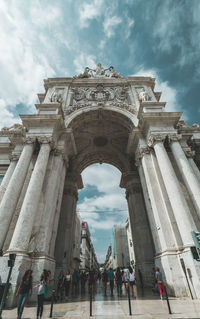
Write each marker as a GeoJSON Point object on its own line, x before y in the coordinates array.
{"type": "Point", "coordinates": [90, 301]}
{"type": "Point", "coordinates": [129, 300]}
{"type": "Point", "coordinates": [169, 308]}
{"type": "Point", "coordinates": [52, 301]}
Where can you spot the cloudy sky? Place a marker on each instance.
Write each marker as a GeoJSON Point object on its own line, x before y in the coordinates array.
{"type": "Point", "coordinates": [46, 38]}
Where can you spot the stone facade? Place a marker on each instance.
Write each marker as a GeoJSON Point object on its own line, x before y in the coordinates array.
{"type": "Point", "coordinates": [99, 117]}
{"type": "Point", "coordinates": [88, 256]}
{"type": "Point", "coordinates": [121, 256]}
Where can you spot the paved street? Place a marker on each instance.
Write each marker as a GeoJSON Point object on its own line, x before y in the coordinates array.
{"type": "Point", "coordinates": [147, 307]}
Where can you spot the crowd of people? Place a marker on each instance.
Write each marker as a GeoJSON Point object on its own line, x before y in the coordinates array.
{"type": "Point", "coordinates": [77, 281]}
{"type": "Point", "coordinates": [71, 284]}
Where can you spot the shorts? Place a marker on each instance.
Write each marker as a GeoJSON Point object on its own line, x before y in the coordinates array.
{"type": "Point", "coordinates": [132, 283]}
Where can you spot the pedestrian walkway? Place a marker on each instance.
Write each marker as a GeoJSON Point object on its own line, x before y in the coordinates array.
{"type": "Point", "coordinates": [147, 307]}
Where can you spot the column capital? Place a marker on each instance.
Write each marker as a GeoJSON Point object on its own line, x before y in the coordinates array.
{"type": "Point", "coordinates": [14, 157]}
{"type": "Point", "coordinates": [156, 138]}
{"type": "Point", "coordinates": [174, 137]}
{"type": "Point", "coordinates": [29, 140]}
{"type": "Point", "coordinates": [140, 152]}
{"type": "Point", "coordinates": [188, 152]}
{"type": "Point", "coordinates": [46, 140]}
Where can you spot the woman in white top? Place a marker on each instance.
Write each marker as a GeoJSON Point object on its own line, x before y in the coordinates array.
{"type": "Point", "coordinates": [131, 280]}
{"type": "Point", "coordinates": [40, 293]}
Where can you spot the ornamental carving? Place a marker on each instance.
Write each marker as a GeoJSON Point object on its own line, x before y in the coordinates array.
{"type": "Point", "coordinates": [141, 151]}
{"type": "Point", "coordinates": [29, 140]}
{"type": "Point", "coordinates": [57, 96]}
{"type": "Point", "coordinates": [100, 96]}
{"type": "Point", "coordinates": [143, 95]}
{"type": "Point", "coordinates": [156, 138]}
{"type": "Point", "coordinates": [45, 140]}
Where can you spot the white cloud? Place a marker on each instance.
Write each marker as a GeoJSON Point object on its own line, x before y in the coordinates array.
{"type": "Point", "coordinates": [83, 60]}
{"type": "Point", "coordinates": [110, 24]}
{"type": "Point", "coordinates": [23, 66]}
{"type": "Point", "coordinates": [104, 211]}
{"type": "Point", "coordinates": [89, 11]}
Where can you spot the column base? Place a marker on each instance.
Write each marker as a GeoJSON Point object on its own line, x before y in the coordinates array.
{"type": "Point", "coordinates": [174, 267]}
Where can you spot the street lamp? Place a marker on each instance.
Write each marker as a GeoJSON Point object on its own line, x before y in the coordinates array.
{"type": "Point", "coordinates": [11, 263]}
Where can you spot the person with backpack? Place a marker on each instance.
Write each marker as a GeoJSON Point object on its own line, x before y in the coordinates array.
{"type": "Point", "coordinates": [131, 280]}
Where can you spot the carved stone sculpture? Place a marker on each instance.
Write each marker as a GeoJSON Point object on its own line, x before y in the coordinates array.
{"type": "Point", "coordinates": [56, 96]}
{"type": "Point", "coordinates": [113, 74]}
{"type": "Point", "coordinates": [144, 96]}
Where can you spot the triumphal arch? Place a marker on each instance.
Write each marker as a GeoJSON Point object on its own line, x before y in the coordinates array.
{"type": "Point", "coordinates": [101, 117]}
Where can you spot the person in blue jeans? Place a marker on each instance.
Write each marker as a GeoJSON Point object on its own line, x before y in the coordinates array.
{"type": "Point", "coordinates": [23, 290]}
{"type": "Point", "coordinates": [111, 278]}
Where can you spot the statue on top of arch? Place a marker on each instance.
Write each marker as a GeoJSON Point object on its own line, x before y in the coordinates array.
{"type": "Point", "coordinates": [99, 72]}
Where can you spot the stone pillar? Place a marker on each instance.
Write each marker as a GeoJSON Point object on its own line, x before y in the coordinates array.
{"type": "Point", "coordinates": [178, 203]}
{"type": "Point", "coordinates": [143, 245]}
{"type": "Point", "coordinates": [64, 240]}
{"type": "Point", "coordinates": [22, 233]}
{"type": "Point", "coordinates": [51, 196]}
{"type": "Point", "coordinates": [186, 170]}
{"type": "Point", "coordinates": [13, 162]}
{"type": "Point", "coordinates": [12, 193]}
{"type": "Point", "coordinates": [167, 238]}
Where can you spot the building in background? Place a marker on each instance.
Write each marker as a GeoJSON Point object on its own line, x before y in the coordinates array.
{"type": "Point", "coordinates": [120, 247]}
{"type": "Point", "coordinates": [130, 242]}
{"type": "Point", "coordinates": [88, 256]}
{"type": "Point", "coordinates": [76, 243]}
{"type": "Point", "coordinates": [109, 258]}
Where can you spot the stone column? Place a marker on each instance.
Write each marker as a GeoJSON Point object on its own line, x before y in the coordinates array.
{"type": "Point", "coordinates": [186, 170]}
{"type": "Point", "coordinates": [143, 244]}
{"type": "Point", "coordinates": [51, 196]}
{"type": "Point", "coordinates": [12, 193]}
{"type": "Point", "coordinates": [64, 239]}
{"type": "Point", "coordinates": [178, 203]}
{"type": "Point", "coordinates": [13, 162]}
{"type": "Point", "coordinates": [22, 233]}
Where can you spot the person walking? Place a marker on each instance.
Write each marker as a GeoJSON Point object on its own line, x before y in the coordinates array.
{"type": "Point", "coordinates": [159, 280]}
{"type": "Point", "coordinates": [118, 280]}
{"type": "Point", "coordinates": [92, 279]}
{"type": "Point", "coordinates": [83, 279]}
{"type": "Point", "coordinates": [75, 282]}
{"type": "Point", "coordinates": [111, 278]}
{"type": "Point", "coordinates": [23, 290]}
{"type": "Point", "coordinates": [105, 281]}
{"type": "Point", "coordinates": [131, 280]}
{"type": "Point", "coordinates": [60, 286]}
{"type": "Point", "coordinates": [40, 292]}
{"type": "Point", "coordinates": [67, 283]}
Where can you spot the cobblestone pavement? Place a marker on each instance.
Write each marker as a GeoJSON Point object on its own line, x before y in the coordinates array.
{"type": "Point", "coordinates": [147, 307]}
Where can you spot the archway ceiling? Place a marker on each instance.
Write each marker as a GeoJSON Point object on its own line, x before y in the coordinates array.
{"type": "Point", "coordinates": [101, 137]}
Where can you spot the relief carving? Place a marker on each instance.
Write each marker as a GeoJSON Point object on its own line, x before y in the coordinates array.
{"type": "Point", "coordinates": [100, 96]}
{"type": "Point", "coordinates": [57, 96]}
